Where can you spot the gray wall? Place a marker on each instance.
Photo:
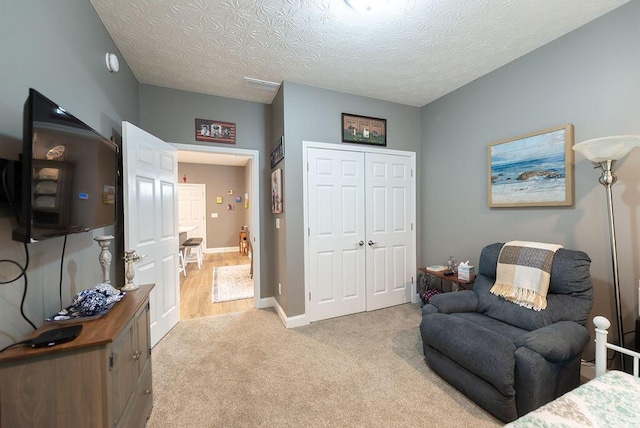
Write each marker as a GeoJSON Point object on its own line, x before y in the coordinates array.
{"type": "Point", "coordinates": [222, 231]}
{"type": "Point", "coordinates": [277, 255]}
{"type": "Point", "coordinates": [589, 78]}
{"type": "Point", "coordinates": [170, 115]}
{"type": "Point", "coordinates": [314, 114]}
{"type": "Point", "coordinates": [57, 48]}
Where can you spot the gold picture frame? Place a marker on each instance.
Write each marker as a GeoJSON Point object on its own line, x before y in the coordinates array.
{"type": "Point", "coordinates": [532, 170]}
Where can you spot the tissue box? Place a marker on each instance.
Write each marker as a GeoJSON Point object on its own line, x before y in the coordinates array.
{"type": "Point", "coordinates": [466, 272]}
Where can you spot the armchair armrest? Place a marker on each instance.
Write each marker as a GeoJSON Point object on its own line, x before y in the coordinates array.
{"type": "Point", "coordinates": [459, 301]}
{"type": "Point", "coordinates": [557, 342]}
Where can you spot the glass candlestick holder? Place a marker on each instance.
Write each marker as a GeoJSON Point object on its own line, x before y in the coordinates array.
{"type": "Point", "coordinates": [130, 257]}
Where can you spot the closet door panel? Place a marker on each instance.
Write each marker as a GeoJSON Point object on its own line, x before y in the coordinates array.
{"type": "Point", "coordinates": [378, 270]}
{"type": "Point", "coordinates": [335, 189]}
{"type": "Point", "coordinates": [389, 235]}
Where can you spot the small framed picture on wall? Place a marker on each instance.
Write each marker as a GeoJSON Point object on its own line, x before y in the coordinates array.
{"type": "Point", "coordinates": [364, 130]}
{"type": "Point", "coordinates": [214, 131]}
{"type": "Point", "coordinates": [276, 191]}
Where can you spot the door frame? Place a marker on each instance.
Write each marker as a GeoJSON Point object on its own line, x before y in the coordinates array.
{"type": "Point", "coordinates": [254, 206]}
{"type": "Point", "coordinates": [305, 202]}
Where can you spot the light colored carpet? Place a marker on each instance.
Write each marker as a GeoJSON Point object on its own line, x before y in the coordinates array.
{"type": "Point", "coordinates": [247, 370]}
{"type": "Point", "coordinates": [231, 283]}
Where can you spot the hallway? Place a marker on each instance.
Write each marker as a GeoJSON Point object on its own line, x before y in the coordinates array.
{"type": "Point", "coordinates": [195, 288]}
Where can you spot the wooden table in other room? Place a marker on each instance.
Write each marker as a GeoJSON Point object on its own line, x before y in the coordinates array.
{"type": "Point", "coordinates": [456, 283]}
{"type": "Point", "coordinates": [243, 248]}
{"type": "Point", "coordinates": [182, 232]}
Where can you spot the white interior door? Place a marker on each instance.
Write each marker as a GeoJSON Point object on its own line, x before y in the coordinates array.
{"type": "Point", "coordinates": [336, 233]}
{"type": "Point", "coordinates": [389, 230]}
{"type": "Point", "coordinates": [191, 210]}
{"type": "Point", "coordinates": [150, 226]}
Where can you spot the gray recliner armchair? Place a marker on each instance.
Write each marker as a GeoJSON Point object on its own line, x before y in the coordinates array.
{"type": "Point", "coordinates": [507, 358]}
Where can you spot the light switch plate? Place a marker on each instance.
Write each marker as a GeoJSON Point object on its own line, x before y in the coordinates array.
{"type": "Point", "coordinates": [277, 223]}
{"type": "Point", "coordinates": [214, 215]}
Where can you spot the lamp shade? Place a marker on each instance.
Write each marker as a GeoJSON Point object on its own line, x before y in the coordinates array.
{"type": "Point", "coordinates": [607, 148]}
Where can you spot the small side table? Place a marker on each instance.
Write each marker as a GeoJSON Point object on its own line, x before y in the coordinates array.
{"type": "Point", "coordinates": [456, 283]}
{"type": "Point", "coordinates": [242, 243]}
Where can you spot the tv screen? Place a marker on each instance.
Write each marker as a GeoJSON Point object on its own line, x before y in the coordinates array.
{"type": "Point", "coordinates": [69, 173]}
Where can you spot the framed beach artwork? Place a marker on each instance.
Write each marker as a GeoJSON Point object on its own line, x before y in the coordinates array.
{"type": "Point", "coordinates": [532, 170]}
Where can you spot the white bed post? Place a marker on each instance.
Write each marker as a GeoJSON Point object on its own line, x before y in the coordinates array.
{"type": "Point", "coordinates": [602, 324]}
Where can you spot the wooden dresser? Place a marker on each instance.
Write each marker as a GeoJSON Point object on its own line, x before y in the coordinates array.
{"type": "Point", "coordinates": [100, 379]}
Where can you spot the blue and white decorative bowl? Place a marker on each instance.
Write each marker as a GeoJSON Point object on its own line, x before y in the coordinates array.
{"type": "Point", "coordinates": [92, 304]}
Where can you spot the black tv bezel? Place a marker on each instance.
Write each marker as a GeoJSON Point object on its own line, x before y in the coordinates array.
{"type": "Point", "coordinates": [24, 232]}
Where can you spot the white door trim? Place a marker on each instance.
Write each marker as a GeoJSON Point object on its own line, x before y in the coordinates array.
{"type": "Point", "coordinates": [254, 206]}
{"type": "Point", "coordinates": [305, 202]}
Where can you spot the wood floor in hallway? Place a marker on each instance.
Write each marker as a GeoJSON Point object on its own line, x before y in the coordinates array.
{"type": "Point", "coordinates": [195, 288]}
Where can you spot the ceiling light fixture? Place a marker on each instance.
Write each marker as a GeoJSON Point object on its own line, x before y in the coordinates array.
{"type": "Point", "coordinates": [261, 84]}
{"type": "Point", "coordinates": [366, 6]}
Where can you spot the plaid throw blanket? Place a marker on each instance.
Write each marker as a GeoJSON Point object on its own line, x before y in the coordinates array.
{"type": "Point", "coordinates": [523, 273]}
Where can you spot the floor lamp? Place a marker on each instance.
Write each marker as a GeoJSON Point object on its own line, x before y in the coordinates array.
{"type": "Point", "coordinates": [604, 152]}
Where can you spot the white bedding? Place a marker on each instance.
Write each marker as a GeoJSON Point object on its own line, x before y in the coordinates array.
{"type": "Point", "coordinates": [610, 400]}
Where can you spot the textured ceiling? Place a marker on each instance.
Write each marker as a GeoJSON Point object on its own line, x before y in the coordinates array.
{"type": "Point", "coordinates": [411, 52]}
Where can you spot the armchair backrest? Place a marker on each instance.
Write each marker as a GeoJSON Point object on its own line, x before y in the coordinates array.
{"type": "Point", "coordinates": [569, 298]}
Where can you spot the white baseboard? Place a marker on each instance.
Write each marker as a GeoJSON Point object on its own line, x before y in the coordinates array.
{"type": "Point", "coordinates": [267, 302]}
{"type": "Point", "coordinates": [289, 322]}
{"type": "Point", "coordinates": [221, 250]}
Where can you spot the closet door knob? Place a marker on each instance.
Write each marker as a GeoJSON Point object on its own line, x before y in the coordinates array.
{"type": "Point", "coordinates": [371, 242]}
{"type": "Point", "coordinates": [361, 243]}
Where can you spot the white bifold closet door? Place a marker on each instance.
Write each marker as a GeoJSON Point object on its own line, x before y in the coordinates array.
{"type": "Point", "coordinates": [360, 246]}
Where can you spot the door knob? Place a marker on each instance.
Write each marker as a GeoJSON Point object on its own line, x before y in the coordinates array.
{"type": "Point", "coordinates": [371, 242]}
{"type": "Point", "coordinates": [361, 243]}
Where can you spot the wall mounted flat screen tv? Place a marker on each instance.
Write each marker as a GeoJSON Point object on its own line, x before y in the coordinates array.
{"type": "Point", "coordinates": [69, 174]}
